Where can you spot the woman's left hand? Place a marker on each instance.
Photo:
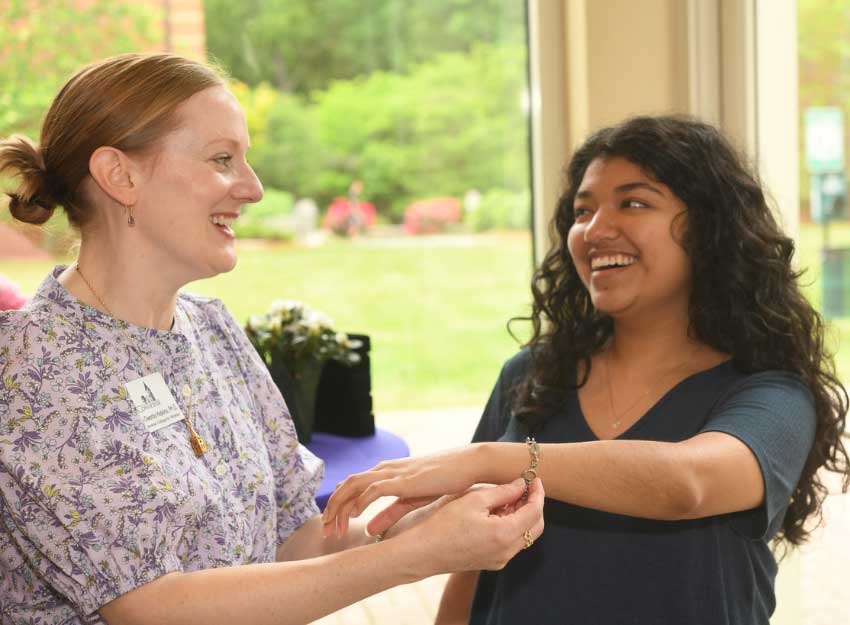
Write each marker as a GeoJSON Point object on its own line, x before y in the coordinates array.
{"type": "Point", "coordinates": [415, 481]}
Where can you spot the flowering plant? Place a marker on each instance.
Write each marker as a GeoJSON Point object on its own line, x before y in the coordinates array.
{"type": "Point", "coordinates": [299, 337]}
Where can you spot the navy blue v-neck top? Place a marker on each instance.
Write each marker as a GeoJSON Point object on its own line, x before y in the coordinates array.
{"type": "Point", "coordinates": [596, 568]}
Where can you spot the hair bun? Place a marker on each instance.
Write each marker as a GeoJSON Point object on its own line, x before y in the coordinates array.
{"type": "Point", "coordinates": [32, 211]}
{"type": "Point", "coordinates": [34, 200]}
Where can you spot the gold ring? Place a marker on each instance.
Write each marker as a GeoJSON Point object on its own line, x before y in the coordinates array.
{"type": "Point", "coordinates": [528, 538]}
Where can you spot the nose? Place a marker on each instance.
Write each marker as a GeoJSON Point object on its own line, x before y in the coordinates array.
{"type": "Point", "coordinates": [249, 189]}
{"type": "Point", "coordinates": [602, 226]}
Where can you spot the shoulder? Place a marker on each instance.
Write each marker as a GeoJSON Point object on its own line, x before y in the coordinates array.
{"type": "Point", "coordinates": [208, 312]}
{"type": "Point", "coordinates": [497, 414]}
{"type": "Point", "coordinates": [30, 331]}
{"type": "Point", "coordinates": [202, 306]}
{"type": "Point", "coordinates": [774, 407]}
{"type": "Point", "coordinates": [516, 367]}
{"type": "Point", "coordinates": [781, 388]}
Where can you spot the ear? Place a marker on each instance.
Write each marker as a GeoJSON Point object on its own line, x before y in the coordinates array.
{"type": "Point", "coordinates": [114, 172]}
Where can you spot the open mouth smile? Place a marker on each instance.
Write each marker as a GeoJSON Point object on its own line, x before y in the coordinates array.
{"type": "Point", "coordinates": [224, 223]}
{"type": "Point", "coordinates": [611, 261]}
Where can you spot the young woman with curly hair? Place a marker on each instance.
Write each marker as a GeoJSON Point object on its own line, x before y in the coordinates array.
{"type": "Point", "coordinates": [679, 388]}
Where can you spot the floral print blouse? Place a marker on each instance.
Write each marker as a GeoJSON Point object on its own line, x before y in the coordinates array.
{"type": "Point", "coordinates": [92, 504]}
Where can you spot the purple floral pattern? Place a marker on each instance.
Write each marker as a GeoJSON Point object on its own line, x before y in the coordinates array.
{"type": "Point", "coordinates": [92, 505]}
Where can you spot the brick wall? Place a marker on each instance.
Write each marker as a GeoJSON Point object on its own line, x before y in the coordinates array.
{"type": "Point", "coordinates": [182, 26]}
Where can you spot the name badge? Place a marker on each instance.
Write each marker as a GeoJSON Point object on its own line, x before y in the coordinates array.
{"type": "Point", "coordinates": [154, 402]}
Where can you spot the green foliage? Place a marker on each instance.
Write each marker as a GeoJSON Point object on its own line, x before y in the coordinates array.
{"type": "Point", "coordinates": [501, 210]}
{"type": "Point", "coordinates": [43, 43]}
{"type": "Point", "coordinates": [300, 46]}
{"type": "Point", "coordinates": [450, 125]}
{"type": "Point", "coordinates": [823, 35]}
{"type": "Point", "coordinates": [447, 126]}
{"type": "Point", "coordinates": [268, 219]}
{"type": "Point", "coordinates": [285, 152]}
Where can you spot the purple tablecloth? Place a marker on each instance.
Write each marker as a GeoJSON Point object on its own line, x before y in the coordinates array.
{"type": "Point", "coordinates": [344, 456]}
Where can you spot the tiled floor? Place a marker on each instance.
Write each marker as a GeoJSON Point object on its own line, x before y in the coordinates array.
{"type": "Point", "coordinates": [821, 592]}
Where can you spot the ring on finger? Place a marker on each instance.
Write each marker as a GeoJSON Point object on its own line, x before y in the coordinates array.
{"type": "Point", "coordinates": [528, 538]}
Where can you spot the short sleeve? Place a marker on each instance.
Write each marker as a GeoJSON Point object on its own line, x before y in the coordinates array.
{"type": "Point", "coordinates": [297, 472]}
{"type": "Point", "coordinates": [497, 412]}
{"type": "Point", "coordinates": [773, 414]}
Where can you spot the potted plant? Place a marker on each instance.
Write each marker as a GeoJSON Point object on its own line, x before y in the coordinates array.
{"type": "Point", "coordinates": [295, 341]}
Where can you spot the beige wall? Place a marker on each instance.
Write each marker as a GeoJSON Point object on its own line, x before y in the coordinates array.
{"type": "Point", "coordinates": [637, 59]}
{"type": "Point", "coordinates": [594, 63]}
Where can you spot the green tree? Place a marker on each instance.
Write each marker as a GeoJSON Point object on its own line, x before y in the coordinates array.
{"type": "Point", "coordinates": [823, 28]}
{"type": "Point", "coordinates": [303, 45]}
{"type": "Point", "coordinates": [449, 125]}
{"type": "Point", "coordinates": [285, 152]}
{"type": "Point", "coordinates": [43, 43]}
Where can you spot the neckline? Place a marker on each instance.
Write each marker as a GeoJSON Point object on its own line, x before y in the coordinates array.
{"type": "Point", "coordinates": [653, 408]}
{"type": "Point", "coordinates": [55, 293]}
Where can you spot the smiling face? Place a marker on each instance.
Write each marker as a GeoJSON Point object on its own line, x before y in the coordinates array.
{"type": "Point", "coordinates": [623, 245]}
{"type": "Point", "coordinates": [194, 187]}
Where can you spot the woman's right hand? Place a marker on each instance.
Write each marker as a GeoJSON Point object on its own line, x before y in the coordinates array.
{"type": "Point", "coordinates": [482, 530]}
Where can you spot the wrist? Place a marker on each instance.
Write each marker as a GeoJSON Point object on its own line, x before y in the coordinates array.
{"type": "Point", "coordinates": [413, 556]}
{"type": "Point", "coordinates": [484, 458]}
{"type": "Point", "coordinates": [499, 463]}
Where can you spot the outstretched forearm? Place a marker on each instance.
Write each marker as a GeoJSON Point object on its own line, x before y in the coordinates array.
{"type": "Point", "coordinates": [709, 474]}
{"type": "Point", "coordinates": [287, 593]}
{"type": "Point", "coordinates": [638, 478]}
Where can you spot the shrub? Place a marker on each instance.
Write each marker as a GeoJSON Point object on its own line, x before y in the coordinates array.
{"type": "Point", "coordinates": [344, 220]}
{"type": "Point", "coordinates": [432, 215]}
{"type": "Point", "coordinates": [500, 209]}
{"type": "Point", "coordinates": [270, 218]}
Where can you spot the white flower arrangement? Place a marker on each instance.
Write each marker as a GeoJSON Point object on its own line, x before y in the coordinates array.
{"type": "Point", "coordinates": [294, 334]}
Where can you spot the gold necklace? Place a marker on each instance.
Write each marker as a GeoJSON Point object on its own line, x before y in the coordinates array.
{"type": "Point", "coordinates": [617, 419]}
{"type": "Point", "coordinates": [199, 445]}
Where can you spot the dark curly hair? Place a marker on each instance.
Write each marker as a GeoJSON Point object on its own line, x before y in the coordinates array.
{"type": "Point", "coordinates": [745, 299]}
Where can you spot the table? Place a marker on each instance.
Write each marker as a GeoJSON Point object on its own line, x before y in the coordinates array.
{"type": "Point", "coordinates": [346, 455]}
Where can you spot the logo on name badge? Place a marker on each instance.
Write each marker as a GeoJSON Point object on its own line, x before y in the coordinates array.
{"type": "Point", "coordinates": [153, 401]}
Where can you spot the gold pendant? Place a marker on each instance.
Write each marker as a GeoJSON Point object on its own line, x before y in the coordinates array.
{"type": "Point", "coordinates": [199, 445]}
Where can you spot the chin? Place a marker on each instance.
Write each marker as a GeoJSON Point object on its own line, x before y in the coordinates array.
{"type": "Point", "coordinates": [215, 266]}
{"type": "Point", "coordinates": [610, 306]}
{"type": "Point", "coordinates": [225, 265]}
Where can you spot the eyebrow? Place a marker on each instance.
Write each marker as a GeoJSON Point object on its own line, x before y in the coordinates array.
{"type": "Point", "coordinates": [231, 142]}
{"type": "Point", "coordinates": [623, 188]}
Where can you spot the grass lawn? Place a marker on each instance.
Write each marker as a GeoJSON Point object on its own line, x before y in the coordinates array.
{"type": "Point", "coordinates": [435, 307]}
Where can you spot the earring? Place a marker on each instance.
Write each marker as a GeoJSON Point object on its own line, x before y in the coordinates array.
{"type": "Point", "coordinates": [131, 222]}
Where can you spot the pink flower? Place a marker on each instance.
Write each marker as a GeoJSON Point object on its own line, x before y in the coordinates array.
{"type": "Point", "coordinates": [349, 218]}
{"type": "Point", "coordinates": [432, 215]}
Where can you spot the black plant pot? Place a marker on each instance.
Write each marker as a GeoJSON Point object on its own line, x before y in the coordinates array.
{"type": "Point", "coordinates": [299, 391]}
{"type": "Point", "coordinates": [344, 396]}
